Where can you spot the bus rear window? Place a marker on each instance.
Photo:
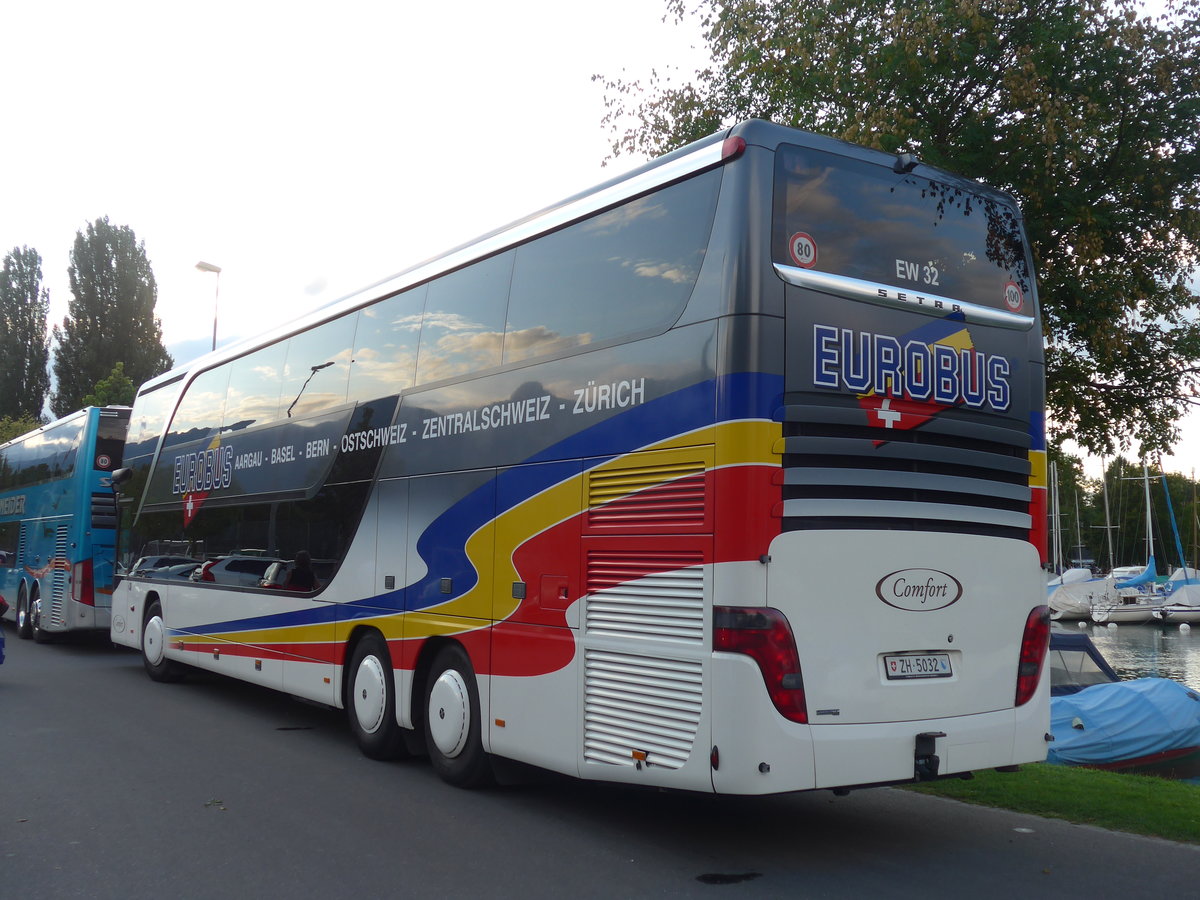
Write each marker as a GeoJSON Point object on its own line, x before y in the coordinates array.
{"type": "Point", "coordinates": [849, 217]}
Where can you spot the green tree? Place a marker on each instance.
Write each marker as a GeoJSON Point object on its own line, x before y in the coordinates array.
{"type": "Point", "coordinates": [15, 426]}
{"type": "Point", "coordinates": [1085, 111]}
{"type": "Point", "coordinates": [110, 317]}
{"type": "Point", "coordinates": [24, 345]}
{"type": "Point", "coordinates": [115, 390]}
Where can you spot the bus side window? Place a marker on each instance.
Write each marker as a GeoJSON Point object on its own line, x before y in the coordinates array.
{"type": "Point", "coordinates": [385, 346]}
{"type": "Point", "coordinates": [624, 272]}
{"type": "Point", "coordinates": [463, 327]}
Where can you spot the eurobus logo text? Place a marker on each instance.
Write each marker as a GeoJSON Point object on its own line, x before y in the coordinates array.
{"type": "Point", "coordinates": [879, 363]}
{"type": "Point", "coordinates": [204, 471]}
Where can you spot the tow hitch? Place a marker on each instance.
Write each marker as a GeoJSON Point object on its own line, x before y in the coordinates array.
{"type": "Point", "coordinates": [926, 762]}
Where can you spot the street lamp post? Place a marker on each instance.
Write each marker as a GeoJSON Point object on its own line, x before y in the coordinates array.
{"type": "Point", "coordinates": [209, 267]}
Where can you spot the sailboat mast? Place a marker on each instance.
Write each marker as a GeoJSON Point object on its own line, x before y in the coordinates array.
{"type": "Point", "coordinates": [1055, 522]}
{"type": "Point", "coordinates": [1171, 513]}
{"type": "Point", "coordinates": [1149, 514]}
{"type": "Point", "coordinates": [1078, 554]}
{"type": "Point", "coordinates": [1112, 559]}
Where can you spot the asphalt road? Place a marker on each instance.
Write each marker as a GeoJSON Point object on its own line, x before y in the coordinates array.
{"type": "Point", "coordinates": [115, 786]}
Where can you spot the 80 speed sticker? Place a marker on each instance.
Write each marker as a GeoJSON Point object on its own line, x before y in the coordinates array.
{"type": "Point", "coordinates": [803, 250]}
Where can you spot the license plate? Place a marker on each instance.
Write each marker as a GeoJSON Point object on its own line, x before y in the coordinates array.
{"type": "Point", "coordinates": [917, 665]}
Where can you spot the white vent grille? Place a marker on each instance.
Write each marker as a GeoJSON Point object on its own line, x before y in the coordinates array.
{"type": "Point", "coordinates": [640, 709]}
{"type": "Point", "coordinates": [655, 595]}
{"type": "Point", "coordinates": [58, 578]}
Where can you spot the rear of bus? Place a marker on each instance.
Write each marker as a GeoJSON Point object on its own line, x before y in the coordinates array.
{"type": "Point", "coordinates": [93, 572]}
{"type": "Point", "coordinates": [902, 634]}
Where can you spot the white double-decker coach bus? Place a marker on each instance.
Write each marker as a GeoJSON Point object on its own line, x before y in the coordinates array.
{"type": "Point", "coordinates": [727, 475]}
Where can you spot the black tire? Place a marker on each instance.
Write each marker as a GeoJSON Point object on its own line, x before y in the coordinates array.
{"type": "Point", "coordinates": [40, 634]}
{"type": "Point", "coordinates": [154, 647]}
{"type": "Point", "coordinates": [24, 625]}
{"type": "Point", "coordinates": [452, 723]}
{"type": "Point", "coordinates": [371, 700]}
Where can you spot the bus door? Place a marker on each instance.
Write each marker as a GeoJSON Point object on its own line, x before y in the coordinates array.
{"type": "Point", "coordinates": [535, 606]}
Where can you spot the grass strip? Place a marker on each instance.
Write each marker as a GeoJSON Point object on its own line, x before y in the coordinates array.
{"type": "Point", "coordinates": [1138, 804]}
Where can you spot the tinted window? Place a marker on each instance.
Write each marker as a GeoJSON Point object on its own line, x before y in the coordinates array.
{"type": "Point", "coordinates": [463, 327]}
{"type": "Point", "coordinates": [323, 524]}
{"type": "Point", "coordinates": [317, 368]}
{"type": "Point", "coordinates": [254, 386]}
{"type": "Point", "coordinates": [385, 346]}
{"type": "Point", "coordinates": [10, 534]}
{"type": "Point", "coordinates": [849, 217]}
{"type": "Point", "coordinates": [201, 409]}
{"type": "Point", "coordinates": [42, 457]}
{"type": "Point", "coordinates": [619, 273]}
{"type": "Point", "coordinates": [111, 428]}
{"type": "Point", "coordinates": [148, 419]}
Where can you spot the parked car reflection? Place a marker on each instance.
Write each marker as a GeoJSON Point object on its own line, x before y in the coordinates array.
{"type": "Point", "coordinates": [278, 575]}
{"type": "Point", "coordinates": [246, 571]}
{"type": "Point", "coordinates": [148, 564]}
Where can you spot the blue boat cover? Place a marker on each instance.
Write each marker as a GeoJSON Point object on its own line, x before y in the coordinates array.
{"type": "Point", "coordinates": [1149, 576]}
{"type": "Point", "coordinates": [1124, 720]}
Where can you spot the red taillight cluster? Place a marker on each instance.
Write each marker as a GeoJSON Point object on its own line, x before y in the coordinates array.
{"type": "Point", "coordinates": [83, 588]}
{"type": "Point", "coordinates": [765, 635]}
{"type": "Point", "coordinates": [1035, 643]}
{"type": "Point", "coordinates": [205, 571]}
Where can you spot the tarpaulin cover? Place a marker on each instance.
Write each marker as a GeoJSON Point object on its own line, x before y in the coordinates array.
{"type": "Point", "coordinates": [1123, 720]}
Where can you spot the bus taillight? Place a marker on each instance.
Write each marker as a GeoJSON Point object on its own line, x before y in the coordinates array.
{"type": "Point", "coordinates": [82, 587]}
{"type": "Point", "coordinates": [1035, 643]}
{"type": "Point", "coordinates": [764, 635]}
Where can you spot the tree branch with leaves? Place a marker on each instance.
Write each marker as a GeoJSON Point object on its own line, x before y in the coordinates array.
{"type": "Point", "coordinates": [1086, 111]}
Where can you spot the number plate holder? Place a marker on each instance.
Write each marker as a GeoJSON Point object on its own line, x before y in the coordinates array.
{"type": "Point", "coordinates": [905, 666]}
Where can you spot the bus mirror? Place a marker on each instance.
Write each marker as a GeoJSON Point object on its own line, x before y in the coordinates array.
{"type": "Point", "coordinates": [120, 476]}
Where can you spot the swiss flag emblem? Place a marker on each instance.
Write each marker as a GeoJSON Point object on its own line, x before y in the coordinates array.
{"type": "Point", "coordinates": [897, 414]}
{"type": "Point", "coordinates": [191, 505]}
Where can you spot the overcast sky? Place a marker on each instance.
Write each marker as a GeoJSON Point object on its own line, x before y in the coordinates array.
{"type": "Point", "coordinates": [308, 149]}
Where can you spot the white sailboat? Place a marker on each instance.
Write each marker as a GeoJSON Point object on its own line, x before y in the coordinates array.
{"type": "Point", "coordinates": [1072, 594]}
{"type": "Point", "coordinates": [1138, 597]}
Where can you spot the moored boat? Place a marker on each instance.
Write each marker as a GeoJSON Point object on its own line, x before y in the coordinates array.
{"type": "Point", "coordinates": [1072, 595]}
{"type": "Point", "coordinates": [1144, 726]}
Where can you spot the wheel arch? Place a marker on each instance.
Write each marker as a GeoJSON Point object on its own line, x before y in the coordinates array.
{"type": "Point", "coordinates": [148, 601]}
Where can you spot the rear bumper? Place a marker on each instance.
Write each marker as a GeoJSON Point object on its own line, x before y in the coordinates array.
{"type": "Point", "coordinates": [760, 752]}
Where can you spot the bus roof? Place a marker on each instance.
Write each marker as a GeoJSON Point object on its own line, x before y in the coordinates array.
{"type": "Point", "coordinates": [690, 159]}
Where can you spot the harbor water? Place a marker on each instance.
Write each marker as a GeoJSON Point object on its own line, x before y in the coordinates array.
{"type": "Point", "coordinates": [1145, 651]}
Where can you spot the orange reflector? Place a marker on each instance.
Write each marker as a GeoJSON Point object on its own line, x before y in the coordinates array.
{"type": "Point", "coordinates": [326, 680]}
{"type": "Point", "coordinates": [639, 755]}
{"type": "Point", "coordinates": [499, 723]}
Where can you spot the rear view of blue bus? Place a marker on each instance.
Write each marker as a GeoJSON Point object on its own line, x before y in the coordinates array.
{"type": "Point", "coordinates": [58, 523]}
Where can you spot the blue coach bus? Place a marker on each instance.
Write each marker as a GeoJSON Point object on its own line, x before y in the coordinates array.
{"type": "Point", "coordinates": [58, 523]}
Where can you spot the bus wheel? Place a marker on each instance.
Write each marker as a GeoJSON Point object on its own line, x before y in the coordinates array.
{"type": "Point", "coordinates": [40, 635]}
{"type": "Point", "coordinates": [24, 625]}
{"type": "Point", "coordinates": [154, 647]}
{"type": "Point", "coordinates": [452, 720]}
{"type": "Point", "coordinates": [371, 705]}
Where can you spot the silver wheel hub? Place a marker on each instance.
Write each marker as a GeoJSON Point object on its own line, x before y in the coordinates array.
{"type": "Point", "coordinates": [449, 713]}
{"type": "Point", "coordinates": [152, 641]}
{"type": "Point", "coordinates": [370, 694]}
